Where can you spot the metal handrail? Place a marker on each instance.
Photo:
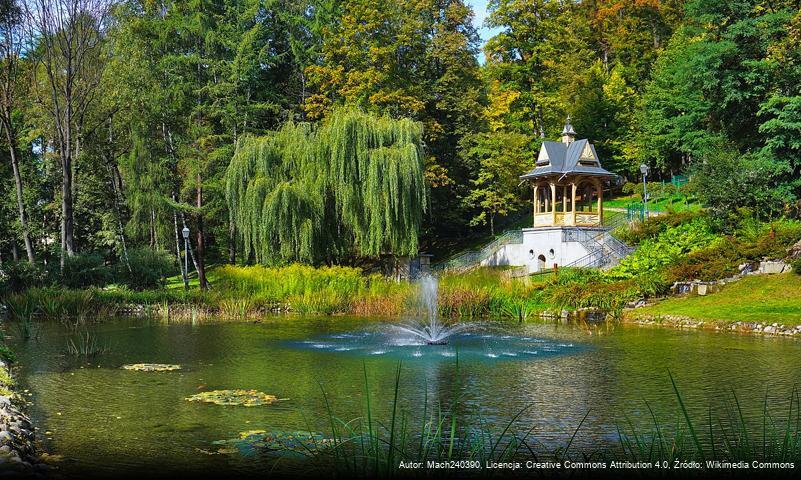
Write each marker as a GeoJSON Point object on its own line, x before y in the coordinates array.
{"type": "Point", "coordinates": [473, 257]}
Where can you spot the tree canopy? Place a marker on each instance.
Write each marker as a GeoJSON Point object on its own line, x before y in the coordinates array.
{"type": "Point", "coordinates": [352, 186]}
{"type": "Point", "coordinates": [171, 99]}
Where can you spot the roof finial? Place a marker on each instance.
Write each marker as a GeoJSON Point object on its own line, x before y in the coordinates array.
{"type": "Point", "coordinates": [568, 134]}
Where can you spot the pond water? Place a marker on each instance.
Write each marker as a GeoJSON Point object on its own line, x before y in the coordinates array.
{"type": "Point", "coordinates": [102, 418]}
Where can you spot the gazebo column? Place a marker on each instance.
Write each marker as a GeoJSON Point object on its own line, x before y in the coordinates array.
{"type": "Point", "coordinates": [574, 187]}
{"type": "Point", "coordinates": [564, 199]}
{"type": "Point", "coordinates": [600, 204]}
{"type": "Point", "coordinates": [553, 203]}
{"type": "Point", "coordinates": [536, 199]}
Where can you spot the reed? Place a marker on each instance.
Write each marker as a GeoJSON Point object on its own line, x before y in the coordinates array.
{"type": "Point", "coordinates": [86, 344]}
{"type": "Point", "coordinates": [370, 446]}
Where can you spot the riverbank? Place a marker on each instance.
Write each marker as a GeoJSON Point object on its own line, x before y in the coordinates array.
{"type": "Point", "coordinates": [17, 439]}
{"type": "Point", "coordinates": [762, 304]}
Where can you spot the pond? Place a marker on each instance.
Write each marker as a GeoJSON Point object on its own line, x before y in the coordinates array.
{"type": "Point", "coordinates": [102, 418]}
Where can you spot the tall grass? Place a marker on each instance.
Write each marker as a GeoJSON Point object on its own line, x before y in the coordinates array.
{"type": "Point", "coordinates": [725, 435]}
{"type": "Point", "coordinates": [85, 344]}
{"type": "Point", "coordinates": [243, 292]}
{"type": "Point", "coordinates": [370, 446]}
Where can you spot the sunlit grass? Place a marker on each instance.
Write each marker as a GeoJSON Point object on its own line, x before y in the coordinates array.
{"type": "Point", "coordinates": [757, 298]}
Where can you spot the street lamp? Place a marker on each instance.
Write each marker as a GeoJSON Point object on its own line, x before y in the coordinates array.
{"type": "Point", "coordinates": [185, 231]}
{"type": "Point", "coordinates": [644, 171]}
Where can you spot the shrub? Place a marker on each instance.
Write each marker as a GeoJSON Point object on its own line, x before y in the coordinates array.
{"type": "Point", "coordinates": [654, 226]}
{"type": "Point", "coordinates": [721, 260]}
{"type": "Point", "coordinates": [149, 269]}
{"type": "Point", "coordinates": [85, 270]}
{"type": "Point", "coordinates": [7, 354]}
{"type": "Point", "coordinates": [19, 276]}
{"type": "Point", "coordinates": [795, 263]}
{"type": "Point", "coordinates": [772, 241]}
{"type": "Point", "coordinates": [668, 247]}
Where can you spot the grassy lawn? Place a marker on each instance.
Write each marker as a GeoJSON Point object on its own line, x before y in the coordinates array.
{"type": "Point", "coordinates": [660, 204]}
{"type": "Point", "coordinates": [758, 298]}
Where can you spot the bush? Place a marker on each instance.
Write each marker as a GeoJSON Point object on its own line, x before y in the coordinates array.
{"type": "Point", "coordinates": [721, 260]}
{"type": "Point", "coordinates": [85, 270]}
{"type": "Point", "coordinates": [669, 246]}
{"type": "Point", "coordinates": [654, 226]}
{"type": "Point", "coordinates": [796, 264]}
{"type": "Point", "coordinates": [19, 276]}
{"type": "Point", "coordinates": [149, 269]}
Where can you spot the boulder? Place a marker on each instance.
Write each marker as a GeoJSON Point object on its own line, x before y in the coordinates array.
{"type": "Point", "coordinates": [795, 250]}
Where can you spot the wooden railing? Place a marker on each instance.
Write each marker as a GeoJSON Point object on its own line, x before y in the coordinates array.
{"type": "Point", "coordinates": [568, 219]}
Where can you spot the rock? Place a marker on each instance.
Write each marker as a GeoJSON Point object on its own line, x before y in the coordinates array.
{"type": "Point", "coordinates": [795, 250]}
{"type": "Point", "coordinates": [772, 266]}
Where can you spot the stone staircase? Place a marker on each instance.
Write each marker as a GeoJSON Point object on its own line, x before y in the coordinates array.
{"type": "Point", "coordinates": [605, 250]}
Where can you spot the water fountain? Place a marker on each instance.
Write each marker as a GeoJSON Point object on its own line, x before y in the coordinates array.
{"type": "Point", "coordinates": [423, 328]}
{"type": "Point", "coordinates": [430, 329]}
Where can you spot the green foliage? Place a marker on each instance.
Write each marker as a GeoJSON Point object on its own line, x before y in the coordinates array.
{"type": "Point", "coordinates": [721, 260]}
{"type": "Point", "coordinates": [655, 253]}
{"type": "Point", "coordinates": [502, 158]}
{"type": "Point", "coordinates": [353, 186]}
{"type": "Point", "coordinates": [727, 180]}
{"type": "Point", "coordinates": [18, 276]}
{"type": "Point", "coordinates": [85, 270]}
{"type": "Point", "coordinates": [7, 355]}
{"type": "Point", "coordinates": [148, 269]}
{"type": "Point", "coordinates": [795, 264]}
{"type": "Point", "coordinates": [638, 232]}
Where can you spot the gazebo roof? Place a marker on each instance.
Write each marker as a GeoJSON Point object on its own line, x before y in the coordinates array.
{"type": "Point", "coordinates": [559, 158]}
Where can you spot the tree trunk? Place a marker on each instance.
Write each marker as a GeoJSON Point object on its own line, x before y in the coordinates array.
{"type": "Point", "coordinates": [67, 202]}
{"type": "Point", "coordinates": [67, 213]}
{"type": "Point", "coordinates": [231, 243]}
{"type": "Point", "coordinates": [201, 246]}
{"type": "Point", "coordinates": [178, 236]}
{"type": "Point", "coordinates": [23, 218]}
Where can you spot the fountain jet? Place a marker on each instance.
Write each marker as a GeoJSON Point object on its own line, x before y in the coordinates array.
{"type": "Point", "coordinates": [430, 330]}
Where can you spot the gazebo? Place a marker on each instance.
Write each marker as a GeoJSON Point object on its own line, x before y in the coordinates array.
{"type": "Point", "coordinates": [568, 229]}
{"type": "Point", "coordinates": [568, 183]}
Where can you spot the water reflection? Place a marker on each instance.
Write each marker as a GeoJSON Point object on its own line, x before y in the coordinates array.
{"type": "Point", "coordinates": [101, 416]}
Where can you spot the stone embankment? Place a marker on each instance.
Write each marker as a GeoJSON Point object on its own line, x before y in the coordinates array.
{"type": "Point", "coordinates": [766, 267]}
{"type": "Point", "coordinates": [17, 446]}
{"type": "Point", "coordinates": [682, 322]}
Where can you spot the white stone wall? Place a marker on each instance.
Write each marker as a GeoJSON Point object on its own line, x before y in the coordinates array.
{"type": "Point", "coordinates": [541, 241]}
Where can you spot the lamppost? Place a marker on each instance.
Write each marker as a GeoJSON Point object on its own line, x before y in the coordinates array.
{"type": "Point", "coordinates": [185, 231]}
{"type": "Point", "coordinates": [644, 171]}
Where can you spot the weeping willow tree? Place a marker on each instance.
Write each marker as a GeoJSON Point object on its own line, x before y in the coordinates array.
{"type": "Point", "coordinates": [352, 186]}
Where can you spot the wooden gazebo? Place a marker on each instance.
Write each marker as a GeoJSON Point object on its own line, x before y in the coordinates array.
{"type": "Point", "coordinates": [568, 183]}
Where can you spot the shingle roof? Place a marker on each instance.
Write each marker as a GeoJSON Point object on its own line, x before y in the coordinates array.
{"type": "Point", "coordinates": [557, 158]}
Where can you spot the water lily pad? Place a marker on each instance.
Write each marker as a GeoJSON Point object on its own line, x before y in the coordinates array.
{"type": "Point", "coordinates": [152, 367]}
{"type": "Point", "coordinates": [247, 398]}
{"type": "Point", "coordinates": [280, 443]}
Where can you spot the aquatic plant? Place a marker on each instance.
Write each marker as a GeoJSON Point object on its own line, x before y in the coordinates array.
{"type": "Point", "coordinates": [152, 367]}
{"type": "Point", "coordinates": [245, 398]}
{"type": "Point", "coordinates": [85, 344]}
{"type": "Point", "coordinates": [238, 307]}
{"type": "Point", "coordinates": [281, 443]}
{"type": "Point", "coordinates": [368, 446]}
